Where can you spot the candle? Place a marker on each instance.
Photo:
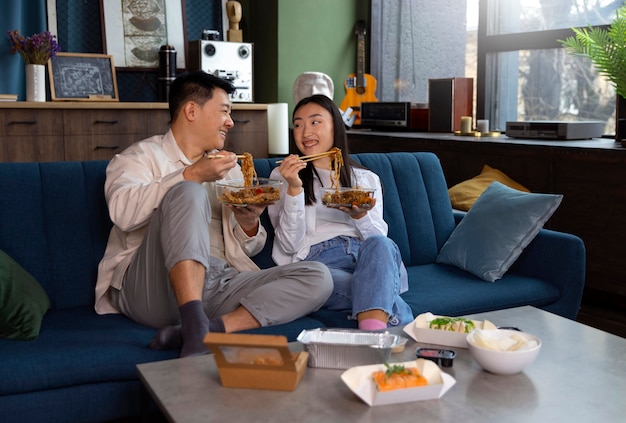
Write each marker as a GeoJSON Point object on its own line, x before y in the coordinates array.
{"type": "Point", "coordinates": [466, 124]}
{"type": "Point", "coordinates": [277, 129]}
{"type": "Point", "coordinates": [482, 126]}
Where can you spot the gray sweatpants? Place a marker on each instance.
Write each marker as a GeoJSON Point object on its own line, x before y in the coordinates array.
{"type": "Point", "coordinates": [179, 230]}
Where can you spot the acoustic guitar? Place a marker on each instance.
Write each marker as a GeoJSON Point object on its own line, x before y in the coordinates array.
{"type": "Point", "coordinates": [361, 86]}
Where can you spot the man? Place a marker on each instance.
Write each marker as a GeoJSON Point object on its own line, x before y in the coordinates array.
{"type": "Point", "coordinates": [176, 258]}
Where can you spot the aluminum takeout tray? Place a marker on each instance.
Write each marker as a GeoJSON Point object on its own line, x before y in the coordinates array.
{"type": "Point", "coordinates": [345, 348]}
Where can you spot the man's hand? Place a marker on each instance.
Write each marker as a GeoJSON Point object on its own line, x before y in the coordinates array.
{"type": "Point", "coordinates": [248, 218]}
{"type": "Point", "coordinates": [211, 168]}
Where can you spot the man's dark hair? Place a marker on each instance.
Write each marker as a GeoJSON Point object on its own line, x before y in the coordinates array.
{"type": "Point", "coordinates": [195, 86]}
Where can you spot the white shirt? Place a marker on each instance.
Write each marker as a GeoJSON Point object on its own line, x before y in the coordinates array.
{"type": "Point", "coordinates": [294, 239]}
{"type": "Point", "coordinates": [136, 181]}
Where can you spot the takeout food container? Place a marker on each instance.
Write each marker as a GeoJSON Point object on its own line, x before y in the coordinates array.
{"type": "Point", "coordinates": [345, 348]}
{"type": "Point", "coordinates": [256, 361]}
{"type": "Point", "coordinates": [347, 197]}
{"type": "Point", "coordinates": [262, 191]}
{"type": "Point", "coordinates": [359, 380]}
{"type": "Point", "coordinates": [420, 331]}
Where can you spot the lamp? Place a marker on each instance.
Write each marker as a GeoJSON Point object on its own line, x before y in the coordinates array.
{"type": "Point", "coordinates": [277, 129]}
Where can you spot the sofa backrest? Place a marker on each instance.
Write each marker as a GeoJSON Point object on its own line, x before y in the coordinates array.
{"type": "Point", "coordinates": [55, 223]}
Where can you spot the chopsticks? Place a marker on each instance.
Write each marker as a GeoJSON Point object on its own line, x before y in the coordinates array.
{"type": "Point", "coordinates": [219, 156]}
{"type": "Point", "coordinates": [312, 156]}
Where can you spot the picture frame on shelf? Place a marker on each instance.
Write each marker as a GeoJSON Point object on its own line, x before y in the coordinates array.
{"type": "Point", "coordinates": [134, 30]}
{"type": "Point", "coordinates": [82, 77]}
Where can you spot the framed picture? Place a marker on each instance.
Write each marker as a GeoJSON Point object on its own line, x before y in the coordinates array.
{"type": "Point", "coordinates": [135, 30]}
{"type": "Point", "coordinates": [82, 77]}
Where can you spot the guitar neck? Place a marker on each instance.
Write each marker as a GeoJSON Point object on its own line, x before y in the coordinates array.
{"type": "Point", "coordinates": [360, 63]}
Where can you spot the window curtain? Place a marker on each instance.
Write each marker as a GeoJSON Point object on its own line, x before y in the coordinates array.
{"type": "Point", "coordinates": [28, 17]}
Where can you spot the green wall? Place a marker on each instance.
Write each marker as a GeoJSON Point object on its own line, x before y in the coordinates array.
{"type": "Point", "coordinates": [295, 36]}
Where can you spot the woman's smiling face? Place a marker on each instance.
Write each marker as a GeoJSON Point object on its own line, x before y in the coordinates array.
{"type": "Point", "coordinates": [313, 129]}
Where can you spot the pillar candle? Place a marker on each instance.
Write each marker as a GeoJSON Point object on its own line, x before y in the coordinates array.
{"type": "Point", "coordinates": [466, 124]}
{"type": "Point", "coordinates": [482, 126]}
{"type": "Point", "coordinates": [277, 129]}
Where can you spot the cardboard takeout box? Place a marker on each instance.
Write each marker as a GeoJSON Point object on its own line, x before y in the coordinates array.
{"type": "Point", "coordinates": [256, 361]}
{"type": "Point", "coordinates": [420, 331]}
{"type": "Point", "coordinates": [359, 380]}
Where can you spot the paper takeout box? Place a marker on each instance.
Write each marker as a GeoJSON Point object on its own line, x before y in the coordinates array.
{"type": "Point", "coordinates": [359, 380]}
{"type": "Point", "coordinates": [420, 331]}
{"type": "Point", "coordinates": [256, 361]}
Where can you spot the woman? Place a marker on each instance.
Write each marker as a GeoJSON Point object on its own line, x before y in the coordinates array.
{"type": "Point", "coordinates": [366, 265]}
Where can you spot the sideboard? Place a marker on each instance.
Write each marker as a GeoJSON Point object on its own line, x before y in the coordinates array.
{"type": "Point", "coordinates": [591, 174]}
{"type": "Point", "coordinates": [76, 131]}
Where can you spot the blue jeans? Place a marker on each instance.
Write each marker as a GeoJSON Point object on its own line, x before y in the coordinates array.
{"type": "Point", "coordinates": [366, 276]}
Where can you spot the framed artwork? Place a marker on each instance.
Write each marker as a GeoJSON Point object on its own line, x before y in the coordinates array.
{"type": "Point", "coordinates": [134, 31]}
{"type": "Point", "coordinates": [82, 77]}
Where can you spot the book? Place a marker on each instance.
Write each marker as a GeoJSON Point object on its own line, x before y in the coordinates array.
{"type": "Point", "coordinates": [8, 97]}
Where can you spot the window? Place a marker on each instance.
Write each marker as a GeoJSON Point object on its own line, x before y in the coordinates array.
{"type": "Point", "coordinates": [524, 74]}
{"type": "Point", "coordinates": [510, 47]}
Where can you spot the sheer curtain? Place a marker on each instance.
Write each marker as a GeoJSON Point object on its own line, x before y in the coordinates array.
{"type": "Point", "coordinates": [28, 17]}
{"type": "Point", "coordinates": [412, 41]}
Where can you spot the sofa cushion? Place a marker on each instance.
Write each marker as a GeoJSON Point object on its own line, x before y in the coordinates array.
{"type": "Point", "coordinates": [464, 194]}
{"type": "Point", "coordinates": [77, 347]}
{"type": "Point", "coordinates": [23, 302]}
{"type": "Point", "coordinates": [448, 290]}
{"type": "Point", "coordinates": [495, 231]}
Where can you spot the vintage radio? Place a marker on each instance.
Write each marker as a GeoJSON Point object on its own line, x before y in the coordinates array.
{"type": "Point", "coordinates": [386, 115]}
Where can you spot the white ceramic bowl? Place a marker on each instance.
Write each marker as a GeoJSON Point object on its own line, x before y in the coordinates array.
{"type": "Point", "coordinates": [499, 361]}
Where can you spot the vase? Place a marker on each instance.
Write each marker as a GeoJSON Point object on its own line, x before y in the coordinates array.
{"type": "Point", "coordinates": [35, 83]}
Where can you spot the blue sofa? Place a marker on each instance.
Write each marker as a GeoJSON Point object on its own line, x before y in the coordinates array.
{"type": "Point", "coordinates": [54, 223]}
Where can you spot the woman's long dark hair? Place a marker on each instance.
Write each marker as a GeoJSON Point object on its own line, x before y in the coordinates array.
{"type": "Point", "coordinates": [340, 140]}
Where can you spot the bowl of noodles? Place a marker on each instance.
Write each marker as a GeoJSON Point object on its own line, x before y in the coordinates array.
{"type": "Point", "coordinates": [237, 192]}
{"type": "Point", "coordinates": [348, 197]}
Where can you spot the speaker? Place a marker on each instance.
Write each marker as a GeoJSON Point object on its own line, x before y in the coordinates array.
{"type": "Point", "coordinates": [448, 100]}
{"type": "Point", "coordinates": [227, 60]}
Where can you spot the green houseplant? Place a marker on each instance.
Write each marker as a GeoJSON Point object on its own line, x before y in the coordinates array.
{"type": "Point", "coordinates": [606, 47]}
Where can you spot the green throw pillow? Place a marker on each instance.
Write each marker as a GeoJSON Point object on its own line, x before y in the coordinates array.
{"type": "Point", "coordinates": [495, 231]}
{"type": "Point", "coordinates": [23, 302]}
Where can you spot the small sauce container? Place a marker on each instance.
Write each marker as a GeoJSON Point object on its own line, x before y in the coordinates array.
{"type": "Point", "coordinates": [443, 358]}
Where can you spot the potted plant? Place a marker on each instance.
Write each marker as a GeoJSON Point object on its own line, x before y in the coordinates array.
{"type": "Point", "coordinates": [606, 47]}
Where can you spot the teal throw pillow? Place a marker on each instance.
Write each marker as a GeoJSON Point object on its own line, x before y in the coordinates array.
{"type": "Point", "coordinates": [495, 231]}
{"type": "Point", "coordinates": [23, 302]}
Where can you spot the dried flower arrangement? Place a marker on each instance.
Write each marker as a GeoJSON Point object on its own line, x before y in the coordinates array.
{"type": "Point", "coordinates": [36, 49]}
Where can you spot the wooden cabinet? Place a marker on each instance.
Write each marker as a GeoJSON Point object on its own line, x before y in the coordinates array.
{"type": "Point", "coordinates": [99, 134]}
{"type": "Point", "coordinates": [31, 135]}
{"type": "Point", "coordinates": [76, 131]}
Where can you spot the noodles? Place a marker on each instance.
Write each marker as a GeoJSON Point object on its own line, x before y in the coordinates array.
{"type": "Point", "coordinates": [247, 168]}
{"type": "Point", "coordinates": [336, 161]}
{"type": "Point", "coordinates": [253, 191]}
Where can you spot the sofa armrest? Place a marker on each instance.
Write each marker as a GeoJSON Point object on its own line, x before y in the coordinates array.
{"type": "Point", "coordinates": [558, 258]}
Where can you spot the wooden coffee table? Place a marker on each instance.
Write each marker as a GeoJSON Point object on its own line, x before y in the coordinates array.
{"type": "Point", "coordinates": [579, 376]}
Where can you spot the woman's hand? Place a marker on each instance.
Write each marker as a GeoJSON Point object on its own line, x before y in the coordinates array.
{"type": "Point", "coordinates": [289, 169]}
{"type": "Point", "coordinates": [357, 212]}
